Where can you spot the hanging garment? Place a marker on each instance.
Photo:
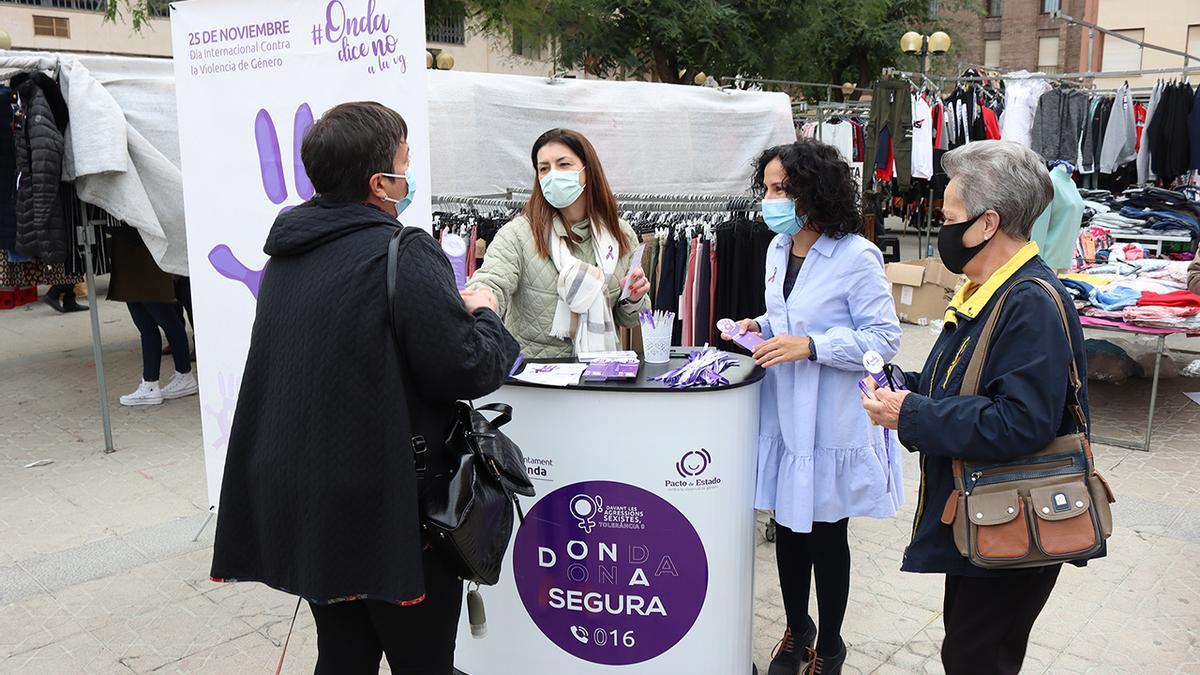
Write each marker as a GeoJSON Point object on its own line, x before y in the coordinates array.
{"type": "Point", "coordinates": [1144, 174]}
{"type": "Point", "coordinates": [991, 124]}
{"type": "Point", "coordinates": [1194, 133]}
{"type": "Point", "coordinates": [884, 157]}
{"type": "Point", "coordinates": [1139, 118]}
{"type": "Point", "coordinates": [840, 135]}
{"type": "Point", "coordinates": [41, 229]}
{"type": "Point", "coordinates": [688, 309]}
{"type": "Point", "coordinates": [1058, 123]}
{"type": "Point", "coordinates": [712, 294]}
{"type": "Point", "coordinates": [859, 141]}
{"type": "Point", "coordinates": [666, 295]}
{"type": "Point", "coordinates": [1120, 135]}
{"type": "Point", "coordinates": [1057, 229]}
{"type": "Point", "coordinates": [1170, 155]}
{"type": "Point", "coordinates": [922, 143]}
{"type": "Point", "coordinates": [1020, 103]}
{"type": "Point", "coordinates": [891, 111]}
{"type": "Point", "coordinates": [1091, 136]}
{"type": "Point", "coordinates": [703, 320]}
{"type": "Point", "coordinates": [8, 172]}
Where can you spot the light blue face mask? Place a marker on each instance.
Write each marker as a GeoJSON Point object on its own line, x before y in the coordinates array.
{"type": "Point", "coordinates": [780, 216]}
{"type": "Point", "coordinates": [561, 188]}
{"type": "Point", "coordinates": [404, 203]}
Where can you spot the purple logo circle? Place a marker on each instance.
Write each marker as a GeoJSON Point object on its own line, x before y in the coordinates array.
{"type": "Point", "coordinates": [609, 572]}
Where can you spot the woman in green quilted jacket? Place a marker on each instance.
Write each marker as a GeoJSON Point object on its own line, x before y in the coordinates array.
{"type": "Point", "coordinates": [557, 270]}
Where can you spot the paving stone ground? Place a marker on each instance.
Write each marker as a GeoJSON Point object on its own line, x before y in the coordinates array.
{"type": "Point", "coordinates": [99, 572]}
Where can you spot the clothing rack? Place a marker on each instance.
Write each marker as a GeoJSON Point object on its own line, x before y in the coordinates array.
{"type": "Point", "coordinates": [670, 206]}
{"type": "Point", "coordinates": [669, 203]}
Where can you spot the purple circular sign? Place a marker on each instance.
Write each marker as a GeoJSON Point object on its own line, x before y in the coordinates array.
{"type": "Point", "coordinates": [609, 572]}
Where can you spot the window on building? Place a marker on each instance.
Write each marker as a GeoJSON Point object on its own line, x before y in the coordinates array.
{"type": "Point", "coordinates": [1051, 6]}
{"type": "Point", "coordinates": [991, 53]}
{"type": "Point", "coordinates": [1048, 55]}
{"type": "Point", "coordinates": [995, 7]}
{"type": "Point", "coordinates": [51, 26]}
{"type": "Point", "coordinates": [448, 29]}
{"type": "Point", "coordinates": [527, 46]}
{"type": "Point", "coordinates": [1120, 55]}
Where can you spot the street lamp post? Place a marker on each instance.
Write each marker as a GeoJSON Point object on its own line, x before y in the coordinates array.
{"type": "Point", "coordinates": [915, 44]}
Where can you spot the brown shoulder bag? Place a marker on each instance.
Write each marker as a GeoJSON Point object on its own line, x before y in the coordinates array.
{"type": "Point", "coordinates": [1042, 509]}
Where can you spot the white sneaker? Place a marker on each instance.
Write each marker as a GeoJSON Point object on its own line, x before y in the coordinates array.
{"type": "Point", "coordinates": [147, 394]}
{"type": "Point", "coordinates": [183, 384]}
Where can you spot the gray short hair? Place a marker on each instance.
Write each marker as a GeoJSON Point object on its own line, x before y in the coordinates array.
{"type": "Point", "coordinates": [1004, 176]}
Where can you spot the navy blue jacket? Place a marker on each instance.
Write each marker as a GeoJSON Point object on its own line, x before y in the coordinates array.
{"type": "Point", "coordinates": [1020, 409]}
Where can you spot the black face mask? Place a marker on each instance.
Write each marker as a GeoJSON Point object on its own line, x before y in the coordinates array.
{"type": "Point", "coordinates": [955, 255]}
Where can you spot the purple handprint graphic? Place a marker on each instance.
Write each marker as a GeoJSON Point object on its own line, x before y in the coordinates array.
{"type": "Point", "coordinates": [227, 265]}
{"type": "Point", "coordinates": [222, 414]}
{"type": "Point", "coordinates": [270, 166]}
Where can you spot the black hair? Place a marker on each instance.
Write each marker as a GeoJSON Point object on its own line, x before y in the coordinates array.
{"type": "Point", "coordinates": [820, 182]}
{"type": "Point", "coordinates": [349, 144]}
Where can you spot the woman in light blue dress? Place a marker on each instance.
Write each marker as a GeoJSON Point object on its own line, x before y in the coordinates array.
{"type": "Point", "coordinates": [820, 460]}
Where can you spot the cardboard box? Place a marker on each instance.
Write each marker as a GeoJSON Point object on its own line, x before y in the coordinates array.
{"type": "Point", "coordinates": [922, 289]}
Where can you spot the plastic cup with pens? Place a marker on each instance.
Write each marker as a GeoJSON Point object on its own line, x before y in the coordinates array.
{"type": "Point", "coordinates": [656, 335]}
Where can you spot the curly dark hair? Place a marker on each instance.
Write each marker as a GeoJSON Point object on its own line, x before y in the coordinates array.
{"type": "Point", "coordinates": [820, 182]}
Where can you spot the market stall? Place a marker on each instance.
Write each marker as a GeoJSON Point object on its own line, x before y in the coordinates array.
{"type": "Point", "coordinates": [639, 548]}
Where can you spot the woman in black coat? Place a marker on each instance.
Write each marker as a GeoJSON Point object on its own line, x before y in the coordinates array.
{"type": "Point", "coordinates": [320, 492]}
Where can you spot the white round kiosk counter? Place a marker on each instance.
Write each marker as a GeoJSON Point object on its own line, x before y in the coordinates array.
{"type": "Point", "coordinates": [637, 555]}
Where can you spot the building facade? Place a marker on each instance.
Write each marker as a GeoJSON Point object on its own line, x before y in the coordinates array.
{"type": "Point", "coordinates": [79, 26]}
{"type": "Point", "coordinates": [1023, 35]}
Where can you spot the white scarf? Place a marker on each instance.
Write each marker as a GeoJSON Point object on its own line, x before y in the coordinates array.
{"type": "Point", "coordinates": [583, 313]}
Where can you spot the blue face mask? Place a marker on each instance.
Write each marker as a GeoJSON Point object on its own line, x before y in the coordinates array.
{"type": "Point", "coordinates": [780, 216]}
{"type": "Point", "coordinates": [404, 203]}
{"type": "Point", "coordinates": [561, 188]}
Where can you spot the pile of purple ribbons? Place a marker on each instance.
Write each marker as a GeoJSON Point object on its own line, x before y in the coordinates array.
{"type": "Point", "coordinates": [703, 369]}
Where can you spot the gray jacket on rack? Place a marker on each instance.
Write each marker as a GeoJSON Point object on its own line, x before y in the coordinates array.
{"type": "Point", "coordinates": [1120, 138]}
{"type": "Point", "coordinates": [1058, 124]}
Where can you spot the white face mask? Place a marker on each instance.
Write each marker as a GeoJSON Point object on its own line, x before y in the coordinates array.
{"type": "Point", "coordinates": [561, 188]}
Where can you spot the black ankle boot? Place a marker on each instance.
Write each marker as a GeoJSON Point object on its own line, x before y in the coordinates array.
{"type": "Point", "coordinates": [828, 664]}
{"type": "Point", "coordinates": [790, 655]}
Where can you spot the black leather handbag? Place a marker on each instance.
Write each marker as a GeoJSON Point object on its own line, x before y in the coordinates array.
{"type": "Point", "coordinates": [467, 513]}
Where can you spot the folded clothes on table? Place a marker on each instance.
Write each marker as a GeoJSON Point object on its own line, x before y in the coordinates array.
{"type": "Point", "coordinates": [1174, 299]}
{"type": "Point", "coordinates": [1114, 297]}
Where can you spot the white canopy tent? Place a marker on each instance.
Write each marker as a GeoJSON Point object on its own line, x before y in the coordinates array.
{"type": "Point", "coordinates": [123, 146]}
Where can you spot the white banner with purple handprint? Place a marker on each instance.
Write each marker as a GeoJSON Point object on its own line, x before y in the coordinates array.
{"type": "Point", "coordinates": [250, 79]}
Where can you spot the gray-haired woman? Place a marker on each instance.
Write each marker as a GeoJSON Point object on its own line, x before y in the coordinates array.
{"type": "Point", "coordinates": [997, 189]}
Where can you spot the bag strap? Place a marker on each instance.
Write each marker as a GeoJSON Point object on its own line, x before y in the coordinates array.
{"type": "Point", "coordinates": [399, 237]}
{"type": "Point", "coordinates": [393, 260]}
{"type": "Point", "coordinates": [971, 377]}
{"type": "Point", "coordinates": [504, 416]}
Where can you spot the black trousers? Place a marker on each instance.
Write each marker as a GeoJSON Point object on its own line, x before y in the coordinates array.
{"type": "Point", "coordinates": [149, 317]}
{"type": "Point", "coordinates": [418, 639]}
{"type": "Point", "coordinates": [825, 554]}
{"type": "Point", "coordinates": [988, 620]}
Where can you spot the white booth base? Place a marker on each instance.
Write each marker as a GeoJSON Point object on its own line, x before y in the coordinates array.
{"type": "Point", "coordinates": [696, 450]}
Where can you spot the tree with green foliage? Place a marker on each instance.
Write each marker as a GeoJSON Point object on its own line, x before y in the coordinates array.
{"type": "Point", "coordinates": [137, 13]}
{"type": "Point", "coordinates": [671, 40]}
